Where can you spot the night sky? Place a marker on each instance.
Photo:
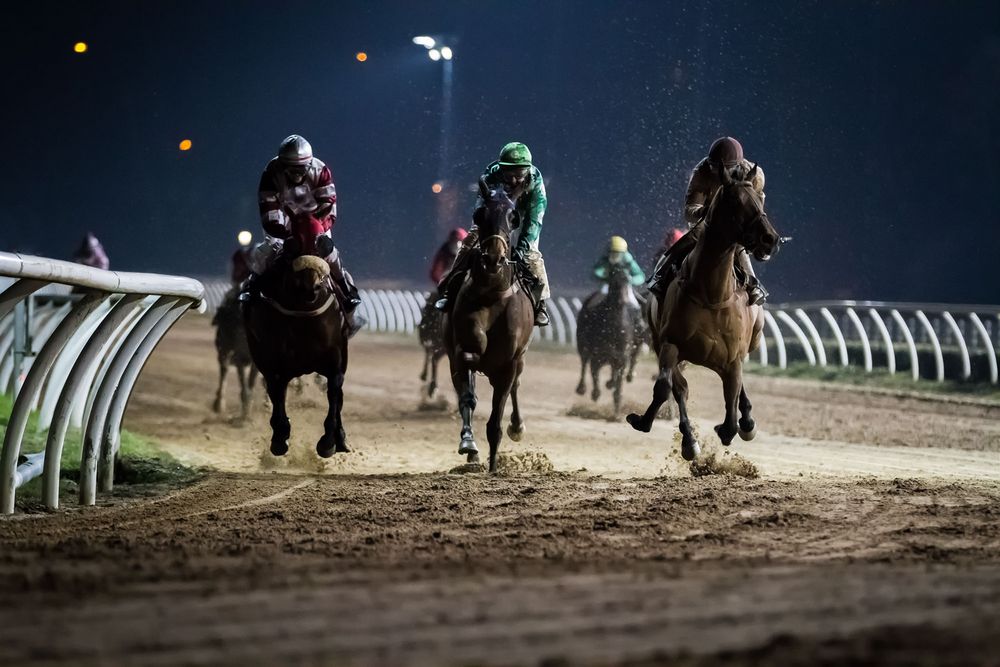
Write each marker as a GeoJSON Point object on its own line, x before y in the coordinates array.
{"type": "Point", "coordinates": [876, 124]}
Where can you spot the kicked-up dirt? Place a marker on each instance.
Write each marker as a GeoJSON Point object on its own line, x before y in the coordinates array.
{"type": "Point", "coordinates": [857, 527]}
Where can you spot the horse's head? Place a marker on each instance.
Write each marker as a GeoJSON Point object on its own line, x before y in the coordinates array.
{"type": "Point", "coordinates": [619, 278]}
{"type": "Point", "coordinates": [740, 205]}
{"type": "Point", "coordinates": [495, 221]}
{"type": "Point", "coordinates": [309, 277]}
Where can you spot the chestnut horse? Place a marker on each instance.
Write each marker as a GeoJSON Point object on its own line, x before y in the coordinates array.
{"type": "Point", "coordinates": [490, 326]}
{"type": "Point", "coordinates": [295, 327]}
{"type": "Point", "coordinates": [704, 316]}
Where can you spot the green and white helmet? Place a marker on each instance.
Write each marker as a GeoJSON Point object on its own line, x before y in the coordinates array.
{"type": "Point", "coordinates": [515, 154]}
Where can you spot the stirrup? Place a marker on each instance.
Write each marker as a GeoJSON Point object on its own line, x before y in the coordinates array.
{"type": "Point", "coordinates": [442, 304]}
{"type": "Point", "coordinates": [354, 325]}
{"type": "Point", "coordinates": [541, 315]}
{"type": "Point", "coordinates": [756, 294]}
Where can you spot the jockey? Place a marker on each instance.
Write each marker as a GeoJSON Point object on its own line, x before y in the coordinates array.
{"type": "Point", "coordinates": [91, 253]}
{"type": "Point", "coordinates": [616, 255]}
{"type": "Point", "coordinates": [444, 258]}
{"type": "Point", "coordinates": [296, 191]}
{"type": "Point", "coordinates": [512, 170]}
{"type": "Point", "coordinates": [725, 154]}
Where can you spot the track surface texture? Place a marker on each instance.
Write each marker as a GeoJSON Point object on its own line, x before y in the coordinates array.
{"type": "Point", "coordinates": [870, 536]}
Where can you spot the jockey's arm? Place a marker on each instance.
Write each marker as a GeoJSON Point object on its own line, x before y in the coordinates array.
{"type": "Point", "coordinates": [272, 218]}
{"type": "Point", "coordinates": [325, 194]}
{"type": "Point", "coordinates": [636, 275]}
{"type": "Point", "coordinates": [601, 269]}
{"type": "Point", "coordinates": [697, 198]}
{"type": "Point", "coordinates": [537, 203]}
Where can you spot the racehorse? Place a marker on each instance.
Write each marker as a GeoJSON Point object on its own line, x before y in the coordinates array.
{"type": "Point", "coordinates": [231, 349]}
{"type": "Point", "coordinates": [490, 325]}
{"type": "Point", "coordinates": [432, 340]}
{"type": "Point", "coordinates": [704, 316]}
{"type": "Point", "coordinates": [606, 332]}
{"type": "Point", "coordinates": [295, 326]}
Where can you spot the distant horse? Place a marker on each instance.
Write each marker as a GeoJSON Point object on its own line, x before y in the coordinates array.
{"type": "Point", "coordinates": [296, 327]}
{"type": "Point", "coordinates": [606, 332]}
{"type": "Point", "coordinates": [432, 340]}
{"type": "Point", "coordinates": [490, 326]}
{"type": "Point", "coordinates": [231, 349]}
{"type": "Point", "coordinates": [704, 316]}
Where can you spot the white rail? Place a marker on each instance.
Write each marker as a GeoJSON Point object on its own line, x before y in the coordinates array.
{"type": "Point", "coordinates": [86, 350]}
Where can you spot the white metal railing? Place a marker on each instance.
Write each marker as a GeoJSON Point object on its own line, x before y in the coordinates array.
{"type": "Point", "coordinates": [949, 341]}
{"type": "Point", "coordinates": [75, 359]}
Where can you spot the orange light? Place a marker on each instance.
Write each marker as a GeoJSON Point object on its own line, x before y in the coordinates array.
{"type": "Point", "coordinates": [361, 56]}
{"type": "Point", "coordinates": [436, 188]}
{"type": "Point", "coordinates": [80, 47]}
{"type": "Point", "coordinates": [185, 145]}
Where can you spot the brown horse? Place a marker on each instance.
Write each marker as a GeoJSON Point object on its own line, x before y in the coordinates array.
{"type": "Point", "coordinates": [295, 327]}
{"type": "Point", "coordinates": [606, 335]}
{"type": "Point", "coordinates": [432, 340]}
{"type": "Point", "coordinates": [490, 326]}
{"type": "Point", "coordinates": [232, 350]}
{"type": "Point", "coordinates": [704, 316]}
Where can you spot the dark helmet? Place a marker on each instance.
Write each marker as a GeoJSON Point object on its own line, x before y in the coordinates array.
{"type": "Point", "coordinates": [726, 150]}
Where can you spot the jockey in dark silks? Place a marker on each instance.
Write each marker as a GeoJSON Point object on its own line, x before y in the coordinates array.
{"type": "Point", "coordinates": [513, 170]}
{"type": "Point", "coordinates": [446, 255]}
{"type": "Point", "coordinates": [298, 201]}
{"type": "Point", "coordinates": [91, 253]}
{"type": "Point", "coordinates": [725, 154]}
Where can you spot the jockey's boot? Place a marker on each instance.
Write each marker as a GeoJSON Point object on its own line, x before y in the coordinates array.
{"type": "Point", "coordinates": [541, 314]}
{"type": "Point", "coordinates": [663, 274]}
{"type": "Point", "coordinates": [347, 293]}
{"type": "Point", "coordinates": [249, 288]}
{"type": "Point", "coordinates": [756, 294]}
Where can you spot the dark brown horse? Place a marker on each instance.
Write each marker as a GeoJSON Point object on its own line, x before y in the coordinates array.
{"type": "Point", "coordinates": [232, 350]}
{"type": "Point", "coordinates": [704, 316]}
{"type": "Point", "coordinates": [432, 340]}
{"type": "Point", "coordinates": [295, 327]}
{"type": "Point", "coordinates": [490, 326]}
{"type": "Point", "coordinates": [606, 332]}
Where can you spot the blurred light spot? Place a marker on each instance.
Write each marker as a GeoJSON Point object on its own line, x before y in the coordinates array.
{"type": "Point", "coordinates": [244, 238]}
{"type": "Point", "coordinates": [185, 145]}
{"type": "Point", "coordinates": [80, 47]}
{"type": "Point", "coordinates": [361, 56]}
{"type": "Point", "coordinates": [446, 52]}
{"type": "Point", "coordinates": [434, 54]}
{"type": "Point", "coordinates": [424, 41]}
{"type": "Point", "coordinates": [436, 188]}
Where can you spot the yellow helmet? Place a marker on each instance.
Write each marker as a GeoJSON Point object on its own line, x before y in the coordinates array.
{"type": "Point", "coordinates": [617, 244]}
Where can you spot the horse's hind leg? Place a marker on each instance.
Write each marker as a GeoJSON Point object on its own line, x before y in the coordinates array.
{"type": "Point", "coordinates": [595, 378]}
{"type": "Point", "coordinates": [334, 439]}
{"type": "Point", "coordinates": [617, 378]}
{"type": "Point", "coordinates": [661, 390]}
{"type": "Point", "coordinates": [515, 431]}
{"type": "Point", "coordinates": [732, 383]}
{"type": "Point", "coordinates": [747, 425]}
{"type": "Point", "coordinates": [465, 387]}
{"type": "Point", "coordinates": [241, 375]}
{"type": "Point", "coordinates": [427, 363]}
{"type": "Point", "coordinates": [435, 359]}
{"type": "Point", "coordinates": [689, 444]}
{"type": "Point", "coordinates": [502, 385]}
{"type": "Point", "coordinates": [581, 388]}
{"type": "Point", "coordinates": [220, 401]}
{"type": "Point", "coordinates": [281, 428]}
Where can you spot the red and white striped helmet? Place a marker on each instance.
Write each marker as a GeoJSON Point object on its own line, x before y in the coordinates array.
{"type": "Point", "coordinates": [295, 150]}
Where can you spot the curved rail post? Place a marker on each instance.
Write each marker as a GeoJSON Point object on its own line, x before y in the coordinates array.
{"type": "Point", "coordinates": [935, 343]}
{"type": "Point", "coordinates": [991, 355]}
{"type": "Point", "coordinates": [779, 340]}
{"type": "Point", "coordinates": [762, 350]}
{"type": "Point", "coordinates": [837, 334]}
{"type": "Point", "coordinates": [558, 326]}
{"type": "Point", "coordinates": [886, 338]}
{"type": "Point", "coordinates": [112, 425]}
{"type": "Point", "coordinates": [866, 346]}
{"type": "Point", "coordinates": [105, 393]}
{"type": "Point", "coordinates": [32, 384]}
{"type": "Point", "coordinates": [567, 311]}
{"type": "Point", "coordinates": [797, 330]}
{"type": "Point", "coordinates": [81, 413]}
{"type": "Point", "coordinates": [402, 324]}
{"type": "Point", "coordinates": [908, 337]}
{"type": "Point", "coordinates": [814, 334]}
{"type": "Point", "coordinates": [46, 325]}
{"type": "Point", "coordinates": [87, 357]}
{"type": "Point", "coordinates": [960, 339]}
{"type": "Point", "coordinates": [366, 310]}
{"type": "Point", "coordinates": [16, 292]}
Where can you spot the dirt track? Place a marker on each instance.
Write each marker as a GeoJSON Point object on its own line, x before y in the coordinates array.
{"type": "Point", "coordinates": [872, 534]}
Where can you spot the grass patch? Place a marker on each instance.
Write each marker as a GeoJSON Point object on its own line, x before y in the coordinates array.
{"type": "Point", "coordinates": [879, 377]}
{"type": "Point", "coordinates": [142, 468]}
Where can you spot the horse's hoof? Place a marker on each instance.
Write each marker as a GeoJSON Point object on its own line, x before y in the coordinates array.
{"type": "Point", "coordinates": [423, 377]}
{"type": "Point", "coordinates": [325, 451]}
{"type": "Point", "coordinates": [432, 390]}
{"type": "Point", "coordinates": [636, 422]}
{"type": "Point", "coordinates": [610, 384]}
{"type": "Point", "coordinates": [725, 435]}
{"type": "Point", "coordinates": [468, 446]}
{"type": "Point", "coordinates": [515, 434]}
{"type": "Point", "coordinates": [594, 395]}
{"type": "Point", "coordinates": [629, 377]}
{"type": "Point", "coordinates": [473, 457]}
{"type": "Point", "coordinates": [581, 389]}
{"type": "Point", "coordinates": [279, 447]}
{"type": "Point", "coordinates": [747, 431]}
{"type": "Point", "coordinates": [689, 450]}
{"type": "Point", "coordinates": [217, 407]}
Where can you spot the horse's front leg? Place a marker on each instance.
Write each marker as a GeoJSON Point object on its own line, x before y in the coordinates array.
{"type": "Point", "coordinates": [747, 425]}
{"type": "Point", "coordinates": [241, 376]}
{"type": "Point", "coordinates": [334, 439]}
{"type": "Point", "coordinates": [689, 444]}
{"type": "Point", "coordinates": [595, 378]}
{"type": "Point", "coordinates": [220, 401]}
{"type": "Point", "coordinates": [732, 383]}
{"type": "Point", "coordinates": [465, 386]}
{"type": "Point", "coordinates": [516, 429]}
{"type": "Point", "coordinates": [502, 385]}
{"type": "Point", "coordinates": [661, 390]}
{"type": "Point", "coordinates": [617, 378]}
{"type": "Point", "coordinates": [281, 428]}
{"type": "Point", "coordinates": [428, 353]}
{"type": "Point", "coordinates": [435, 359]}
{"type": "Point", "coordinates": [581, 387]}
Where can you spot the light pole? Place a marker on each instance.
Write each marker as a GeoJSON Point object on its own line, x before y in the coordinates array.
{"type": "Point", "coordinates": [442, 53]}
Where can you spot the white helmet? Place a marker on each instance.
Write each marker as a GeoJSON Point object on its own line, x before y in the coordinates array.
{"type": "Point", "coordinates": [295, 150]}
